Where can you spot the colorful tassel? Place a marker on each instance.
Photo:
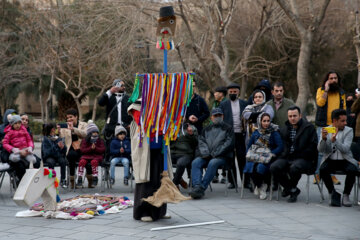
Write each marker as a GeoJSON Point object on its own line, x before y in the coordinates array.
{"type": "Point", "coordinates": [58, 198]}
{"type": "Point", "coordinates": [46, 171]}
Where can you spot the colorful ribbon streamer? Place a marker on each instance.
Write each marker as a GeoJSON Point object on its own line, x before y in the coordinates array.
{"type": "Point", "coordinates": [165, 98]}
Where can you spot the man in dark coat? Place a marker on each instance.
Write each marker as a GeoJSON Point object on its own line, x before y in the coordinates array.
{"type": "Point", "coordinates": [197, 111]}
{"type": "Point", "coordinates": [300, 153]}
{"type": "Point", "coordinates": [117, 103]}
{"type": "Point", "coordinates": [213, 151]}
{"type": "Point", "coordinates": [232, 109]}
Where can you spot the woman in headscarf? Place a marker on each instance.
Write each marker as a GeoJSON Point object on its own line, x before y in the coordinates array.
{"type": "Point", "coordinates": [251, 112]}
{"type": "Point", "coordinates": [264, 146]}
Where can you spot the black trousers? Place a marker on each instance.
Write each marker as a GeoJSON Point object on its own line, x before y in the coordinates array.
{"type": "Point", "coordinates": [330, 166]}
{"type": "Point", "coordinates": [240, 153]}
{"type": "Point", "coordinates": [182, 162]}
{"type": "Point", "coordinates": [144, 190]}
{"type": "Point", "coordinates": [73, 157]}
{"type": "Point", "coordinates": [288, 172]}
{"type": "Point", "coordinates": [62, 162]}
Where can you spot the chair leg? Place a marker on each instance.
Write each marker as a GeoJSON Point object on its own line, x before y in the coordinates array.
{"type": "Point", "coordinates": [233, 178]}
{"type": "Point", "coordinates": [102, 185]}
{"type": "Point", "coordinates": [226, 183]}
{"type": "Point", "coordinates": [278, 192]}
{"type": "Point", "coordinates": [2, 175]}
{"type": "Point", "coordinates": [307, 188]}
{"type": "Point", "coordinates": [320, 188]}
{"type": "Point", "coordinates": [242, 185]}
{"type": "Point", "coordinates": [131, 179]}
{"type": "Point", "coordinates": [271, 187]}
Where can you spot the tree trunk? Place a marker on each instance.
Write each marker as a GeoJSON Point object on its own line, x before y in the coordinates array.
{"type": "Point", "coordinates": [303, 70]}
{"type": "Point", "coordinates": [78, 105]}
{"type": "Point", "coordinates": [244, 83]}
{"type": "Point", "coordinates": [95, 104]}
{"type": "Point", "coordinates": [41, 100]}
{"type": "Point", "coordinates": [357, 47]}
{"type": "Point", "coordinates": [49, 99]}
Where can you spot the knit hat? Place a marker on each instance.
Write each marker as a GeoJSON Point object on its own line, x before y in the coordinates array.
{"type": "Point", "coordinates": [14, 119]}
{"type": "Point", "coordinates": [119, 129]}
{"type": "Point", "coordinates": [91, 127]}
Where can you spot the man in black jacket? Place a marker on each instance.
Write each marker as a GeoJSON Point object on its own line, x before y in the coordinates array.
{"type": "Point", "coordinates": [117, 103]}
{"type": "Point", "coordinates": [232, 109]}
{"type": "Point", "coordinates": [197, 111]}
{"type": "Point", "coordinates": [300, 153]}
{"type": "Point", "coordinates": [213, 151]}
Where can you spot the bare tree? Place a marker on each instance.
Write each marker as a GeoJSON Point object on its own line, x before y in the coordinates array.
{"type": "Point", "coordinates": [306, 28]}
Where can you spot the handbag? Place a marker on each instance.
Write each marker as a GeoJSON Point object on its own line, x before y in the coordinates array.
{"type": "Point", "coordinates": [76, 145]}
{"type": "Point", "coordinates": [258, 153]}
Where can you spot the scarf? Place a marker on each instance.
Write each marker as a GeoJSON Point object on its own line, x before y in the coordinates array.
{"type": "Point", "coordinates": [266, 133]}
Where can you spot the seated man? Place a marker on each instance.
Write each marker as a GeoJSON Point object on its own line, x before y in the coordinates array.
{"type": "Point", "coordinates": [337, 155]}
{"type": "Point", "coordinates": [299, 155]}
{"type": "Point", "coordinates": [214, 149]}
{"type": "Point", "coordinates": [182, 152]}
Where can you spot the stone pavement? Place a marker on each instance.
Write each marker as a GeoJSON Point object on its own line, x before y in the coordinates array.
{"type": "Point", "coordinates": [247, 218]}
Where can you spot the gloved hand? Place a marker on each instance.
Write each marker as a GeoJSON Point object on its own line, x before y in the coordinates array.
{"type": "Point", "coordinates": [15, 150]}
{"type": "Point", "coordinates": [254, 116]}
{"type": "Point", "coordinates": [30, 150]}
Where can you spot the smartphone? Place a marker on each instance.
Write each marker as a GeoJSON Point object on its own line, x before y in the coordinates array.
{"type": "Point", "coordinates": [119, 84]}
{"type": "Point", "coordinates": [63, 125]}
{"type": "Point", "coordinates": [357, 91]}
{"type": "Point", "coordinates": [330, 129]}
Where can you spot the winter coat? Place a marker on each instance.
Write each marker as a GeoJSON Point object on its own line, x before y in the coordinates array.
{"type": "Point", "coordinates": [110, 103]}
{"type": "Point", "coordinates": [227, 110]}
{"type": "Point", "coordinates": [115, 146]}
{"type": "Point", "coordinates": [216, 141]}
{"type": "Point", "coordinates": [325, 107]}
{"type": "Point", "coordinates": [51, 149]}
{"type": "Point", "coordinates": [280, 115]}
{"type": "Point", "coordinates": [17, 139]}
{"type": "Point", "coordinates": [342, 143]}
{"type": "Point", "coordinates": [5, 123]}
{"type": "Point", "coordinates": [198, 108]}
{"type": "Point", "coordinates": [140, 155]}
{"type": "Point", "coordinates": [276, 143]}
{"type": "Point", "coordinates": [305, 143]}
{"type": "Point", "coordinates": [80, 131]}
{"type": "Point", "coordinates": [92, 154]}
{"type": "Point", "coordinates": [185, 144]}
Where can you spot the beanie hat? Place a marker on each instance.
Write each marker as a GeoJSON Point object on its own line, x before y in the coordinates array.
{"type": "Point", "coordinates": [14, 119]}
{"type": "Point", "coordinates": [119, 129]}
{"type": "Point", "coordinates": [91, 128]}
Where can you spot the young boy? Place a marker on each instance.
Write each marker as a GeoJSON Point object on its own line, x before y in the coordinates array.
{"type": "Point", "coordinates": [120, 152]}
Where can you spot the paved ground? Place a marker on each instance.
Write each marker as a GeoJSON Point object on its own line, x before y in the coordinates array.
{"type": "Point", "coordinates": [247, 218]}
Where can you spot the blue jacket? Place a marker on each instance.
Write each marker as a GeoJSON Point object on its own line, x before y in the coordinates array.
{"type": "Point", "coordinates": [50, 149]}
{"type": "Point", "coordinates": [276, 143]}
{"type": "Point", "coordinates": [115, 146]}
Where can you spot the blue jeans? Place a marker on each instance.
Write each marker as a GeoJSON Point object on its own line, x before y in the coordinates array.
{"type": "Point", "coordinates": [125, 162]}
{"type": "Point", "coordinates": [211, 168]}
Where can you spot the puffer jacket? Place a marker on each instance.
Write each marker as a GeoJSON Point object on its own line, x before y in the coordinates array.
{"type": "Point", "coordinates": [88, 153]}
{"type": "Point", "coordinates": [216, 141]}
{"type": "Point", "coordinates": [51, 149]}
{"type": "Point", "coordinates": [17, 139]}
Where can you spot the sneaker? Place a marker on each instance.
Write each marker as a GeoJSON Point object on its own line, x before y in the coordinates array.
{"type": "Point", "coordinates": [215, 179]}
{"type": "Point", "coordinates": [63, 183]}
{"type": "Point", "coordinates": [223, 180]}
{"type": "Point", "coordinates": [316, 178]}
{"type": "Point", "coordinates": [4, 166]}
{"type": "Point", "coordinates": [166, 216]}
{"type": "Point", "coordinates": [293, 196]}
{"type": "Point", "coordinates": [346, 200]}
{"type": "Point", "coordinates": [256, 191]}
{"type": "Point", "coordinates": [146, 219]}
{"type": "Point", "coordinates": [263, 189]}
{"type": "Point", "coordinates": [285, 192]}
{"type": "Point", "coordinates": [126, 181]}
{"type": "Point", "coordinates": [112, 181]}
{"type": "Point", "coordinates": [335, 180]}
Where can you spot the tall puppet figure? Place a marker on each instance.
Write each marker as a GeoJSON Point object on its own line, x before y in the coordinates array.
{"type": "Point", "coordinates": [157, 119]}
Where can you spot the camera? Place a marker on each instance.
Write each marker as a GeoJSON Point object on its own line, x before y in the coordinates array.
{"type": "Point", "coordinates": [63, 125]}
{"type": "Point", "coordinates": [119, 84]}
